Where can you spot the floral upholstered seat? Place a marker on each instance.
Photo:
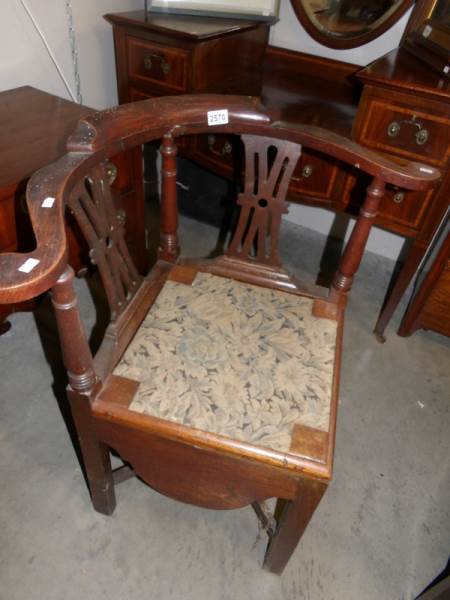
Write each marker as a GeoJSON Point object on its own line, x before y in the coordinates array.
{"type": "Point", "coordinates": [235, 359]}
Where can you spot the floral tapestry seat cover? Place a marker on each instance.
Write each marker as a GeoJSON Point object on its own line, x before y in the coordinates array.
{"type": "Point", "coordinates": [234, 359]}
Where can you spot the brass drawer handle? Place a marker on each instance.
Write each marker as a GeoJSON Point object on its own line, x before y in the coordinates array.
{"type": "Point", "coordinates": [111, 172]}
{"type": "Point", "coordinates": [307, 171]}
{"type": "Point", "coordinates": [226, 148]}
{"type": "Point", "coordinates": [398, 197]}
{"type": "Point", "coordinates": [148, 62]}
{"type": "Point", "coordinates": [421, 135]}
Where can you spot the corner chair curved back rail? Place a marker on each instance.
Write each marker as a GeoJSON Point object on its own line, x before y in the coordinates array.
{"type": "Point", "coordinates": [24, 276]}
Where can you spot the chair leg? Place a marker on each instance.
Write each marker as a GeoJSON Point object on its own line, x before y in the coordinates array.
{"type": "Point", "coordinates": [292, 522]}
{"type": "Point", "coordinates": [96, 458]}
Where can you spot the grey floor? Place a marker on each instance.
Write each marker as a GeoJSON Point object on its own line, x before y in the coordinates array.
{"type": "Point", "coordinates": [382, 530]}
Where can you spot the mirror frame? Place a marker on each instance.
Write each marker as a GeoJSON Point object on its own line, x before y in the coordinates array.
{"type": "Point", "coordinates": [353, 41]}
{"type": "Point", "coordinates": [426, 45]}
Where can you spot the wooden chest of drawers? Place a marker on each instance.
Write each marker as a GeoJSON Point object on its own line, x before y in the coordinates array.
{"type": "Point", "coordinates": [164, 55]}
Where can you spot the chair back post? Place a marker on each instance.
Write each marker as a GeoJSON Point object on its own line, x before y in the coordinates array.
{"type": "Point", "coordinates": [354, 249]}
{"type": "Point", "coordinates": [168, 248]}
{"type": "Point", "coordinates": [74, 344]}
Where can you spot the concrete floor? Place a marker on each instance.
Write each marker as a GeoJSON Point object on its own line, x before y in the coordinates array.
{"type": "Point", "coordinates": [382, 530]}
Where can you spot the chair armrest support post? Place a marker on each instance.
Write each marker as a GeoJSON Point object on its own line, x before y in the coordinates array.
{"type": "Point", "coordinates": [354, 249]}
{"type": "Point", "coordinates": [168, 242]}
{"type": "Point", "coordinates": [75, 348]}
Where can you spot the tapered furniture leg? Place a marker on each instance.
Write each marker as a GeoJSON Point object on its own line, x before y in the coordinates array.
{"type": "Point", "coordinates": [395, 294]}
{"type": "Point", "coordinates": [96, 457]}
{"type": "Point", "coordinates": [292, 522]}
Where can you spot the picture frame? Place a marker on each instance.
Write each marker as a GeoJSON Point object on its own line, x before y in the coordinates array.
{"type": "Point", "coordinates": [254, 9]}
{"type": "Point", "coordinates": [427, 35]}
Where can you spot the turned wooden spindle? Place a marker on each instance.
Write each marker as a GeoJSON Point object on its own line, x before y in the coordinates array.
{"type": "Point", "coordinates": [75, 348]}
{"type": "Point", "coordinates": [354, 250]}
{"type": "Point", "coordinates": [168, 240]}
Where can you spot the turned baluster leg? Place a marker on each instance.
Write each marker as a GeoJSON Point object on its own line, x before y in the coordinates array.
{"type": "Point", "coordinates": [82, 384]}
{"type": "Point", "coordinates": [292, 522]}
{"type": "Point", "coordinates": [168, 241]}
{"type": "Point", "coordinates": [354, 250]}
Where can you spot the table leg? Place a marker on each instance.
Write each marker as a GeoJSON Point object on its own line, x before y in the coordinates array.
{"type": "Point", "coordinates": [395, 293]}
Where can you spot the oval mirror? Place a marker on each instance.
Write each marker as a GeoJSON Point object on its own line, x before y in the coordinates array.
{"type": "Point", "coordinates": [348, 23]}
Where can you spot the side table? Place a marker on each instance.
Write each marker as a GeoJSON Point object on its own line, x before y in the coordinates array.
{"type": "Point", "coordinates": [34, 128]}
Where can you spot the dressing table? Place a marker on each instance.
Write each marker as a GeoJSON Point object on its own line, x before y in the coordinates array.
{"type": "Point", "coordinates": [396, 105]}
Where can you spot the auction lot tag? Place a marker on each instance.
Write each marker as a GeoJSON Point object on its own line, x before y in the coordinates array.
{"type": "Point", "coordinates": [29, 265]}
{"type": "Point", "coordinates": [218, 117]}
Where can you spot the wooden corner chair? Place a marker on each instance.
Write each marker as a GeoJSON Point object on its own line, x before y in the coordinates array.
{"type": "Point", "coordinates": [217, 380]}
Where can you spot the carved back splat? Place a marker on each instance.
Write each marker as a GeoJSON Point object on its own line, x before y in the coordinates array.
{"type": "Point", "coordinates": [93, 207]}
{"type": "Point", "coordinates": [263, 202]}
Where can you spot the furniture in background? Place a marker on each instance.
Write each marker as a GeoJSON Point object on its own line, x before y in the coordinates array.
{"type": "Point", "coordinates": [396, 105]}
{"type": "Point", "coordinates": [35, 126]}
{"type": "Point", "coordinates": [168, 54]}
{"type": "Point", "coordinates": [429, 307]}
{"type": "Point", "coordinates": [217, 380]}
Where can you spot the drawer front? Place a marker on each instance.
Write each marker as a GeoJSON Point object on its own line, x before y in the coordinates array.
{"type": "Point", "coordinates": [407, 130]}
{"type": "Point", "coordinates": [401, 210]}
{"type": "Point", "coordinates": [315, 175]}
{"type": "Point", "coordinates": [157, 66]}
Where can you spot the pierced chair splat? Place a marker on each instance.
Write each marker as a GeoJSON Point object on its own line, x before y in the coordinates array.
{"type": "Point", "coordinates": [217, 379]}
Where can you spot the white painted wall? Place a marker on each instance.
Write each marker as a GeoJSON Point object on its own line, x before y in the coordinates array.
{"type": "Point", "coordinates": [288, 33]}
{"type": "Point", "coordinates": [26, 62]}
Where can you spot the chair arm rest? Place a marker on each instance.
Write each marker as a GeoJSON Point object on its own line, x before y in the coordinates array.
{"type": "Point", "coordinates": [26, 275]}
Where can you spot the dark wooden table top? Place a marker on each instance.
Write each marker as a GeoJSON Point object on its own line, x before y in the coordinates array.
{"type": "Point", "coordinates": [185, 26]}
{"type": "Point", "coordinates": [400, 69]}
{"type": "Point", "coordinates": [34, 126]}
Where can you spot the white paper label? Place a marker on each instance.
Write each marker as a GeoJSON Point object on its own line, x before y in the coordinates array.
{"type": "Point", "coordinates": [48, 202]}
{"type": "Point", "coordinates": [427, 30]}
{"type": "Point", "coordinates": [218, 117]}
{"type": "Point", "coordinates": [29, 265]}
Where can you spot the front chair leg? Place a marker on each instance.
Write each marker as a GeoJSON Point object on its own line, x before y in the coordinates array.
{"type": "Point", "coordinates": [292, 522]}
{"type": "Point", "coordinates": [96, 458]}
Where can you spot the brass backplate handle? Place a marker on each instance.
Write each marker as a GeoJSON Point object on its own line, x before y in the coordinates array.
{"type": "Point", "coordinates": [150, 57]}
{"type": "Point", "coordinates": [226, 148]}
{"type": "Point", "coordinates": [421, 136]}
